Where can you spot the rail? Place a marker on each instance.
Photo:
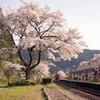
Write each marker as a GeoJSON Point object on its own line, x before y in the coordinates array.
{"type": "Point", "coordinates": [86, 87]}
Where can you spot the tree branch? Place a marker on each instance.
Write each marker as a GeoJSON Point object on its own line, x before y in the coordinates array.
{"type": "Point", "coordinates": [11, 37]}
{"type": "Point", "coordinates": [47, 29]}
{"type": "Point", "coordinates": [23, 29]}
{"type": "Point", "coordinates": [39, 59]}
{"type": "Point", "coordinates": [30, 54]}
{"type": "Point", "coordinates": [38, 33]}
{"type": "Point", "coordinates": [21, 58]}
{"type": "Point", "coordinates": [5, 59]}
{"type": "Point", "coordinates": [23, 69]}
{"type": "Point", "coordinates": [51, 36]}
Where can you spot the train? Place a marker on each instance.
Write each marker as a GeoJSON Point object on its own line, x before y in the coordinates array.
{"type": "Point", "coordinates": [57, 77]}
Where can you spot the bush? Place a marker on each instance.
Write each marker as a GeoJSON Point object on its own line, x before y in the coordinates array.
{"type": "Point", "coordinates": [94, 80]}
{"type": "Point", "coordinates": [67, 77]}
{"type": "Point", "coordinates": [21, 83]}
{"type": "Point", "coordinates": [75, 78]}
{"type": "Point", "coordinates": [46, 80]}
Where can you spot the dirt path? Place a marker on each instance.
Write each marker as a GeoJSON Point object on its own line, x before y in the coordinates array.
{"type": "Point", "coordinates": [54, 94]}
{"type": "Point", "coordinates": [3, 88]}
{"type": "Point", "coordinates": [58, 94]}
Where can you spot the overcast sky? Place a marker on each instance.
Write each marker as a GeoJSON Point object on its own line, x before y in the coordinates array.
{"type": "Point", "coordinates": [83, 14]}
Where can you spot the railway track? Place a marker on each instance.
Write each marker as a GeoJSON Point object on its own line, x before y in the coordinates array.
{"type": "Point", "coordinates": [84, 89]}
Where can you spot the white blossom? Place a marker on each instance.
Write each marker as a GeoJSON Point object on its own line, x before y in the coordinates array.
{"type": "Point", "coordinates": [61, 74]}
{"type": "Point", "coordinates": [40, 29]}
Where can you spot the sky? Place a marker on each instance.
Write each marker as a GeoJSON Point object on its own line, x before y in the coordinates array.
{"type": "Point", "coordinates": [81, 14]}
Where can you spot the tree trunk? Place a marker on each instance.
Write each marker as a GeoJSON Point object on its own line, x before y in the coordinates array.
{"type": "Point", "coordinates": [28, 72]}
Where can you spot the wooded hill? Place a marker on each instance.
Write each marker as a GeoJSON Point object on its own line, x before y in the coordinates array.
{"type": "Point", "coordinates": [69, 65]}
{"type": "Point", "coordinates": [74, 63]}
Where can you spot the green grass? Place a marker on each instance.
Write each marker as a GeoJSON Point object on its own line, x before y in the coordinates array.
{"type": "Point", "coordinates": [3, 84]}
{"type": "Point", "coordinates": [22, 93]}
{"type": "Point", "coordinates": [25, 92]}
{"type": "Point", "coordinates": [52, 85]}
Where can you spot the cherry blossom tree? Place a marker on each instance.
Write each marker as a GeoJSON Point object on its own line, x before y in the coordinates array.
{"type": "Point", "coordinates": [92, 63]}
{"type": "Point", "coordinates": [91, 67]}
{"type": "Point", "coordinates": [6, 45]}
{"type": "Point", "coordinates": [42, 70]}
{"type": "Point", "coordinates": [61, 74]}
{"type": "Point", "coordinates": [83, 65]}
{"type": "Point", "coordinates": [41, 30]}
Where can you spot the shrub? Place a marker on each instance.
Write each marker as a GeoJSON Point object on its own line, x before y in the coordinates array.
{"type": "Point", "coordinates": [75, 78]}
{"type": "Point", "coordinates": [94, 80]}
{"type": "Point", "coordinates": [46, 80]}
{"type": "Point", "coordinates": [21, 83]}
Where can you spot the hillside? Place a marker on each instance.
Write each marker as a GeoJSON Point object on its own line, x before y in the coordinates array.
{"type": "Point", "coordinates": [74, 63]}
{"type": "Point", "coordinates": [69, 65]}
